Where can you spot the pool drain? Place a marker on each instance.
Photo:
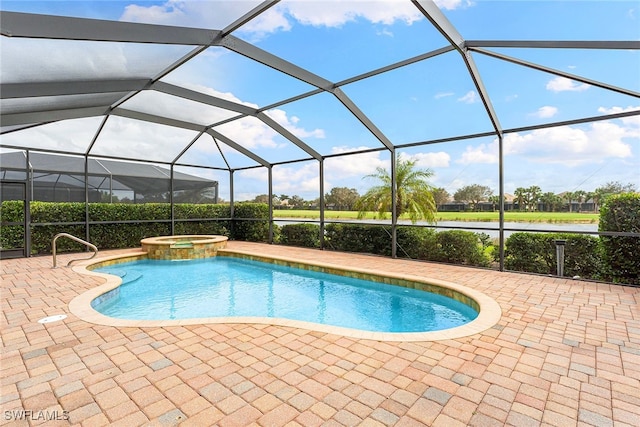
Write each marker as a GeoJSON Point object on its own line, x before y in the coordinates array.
{"type": "Point", "coordinates": [51, 319]}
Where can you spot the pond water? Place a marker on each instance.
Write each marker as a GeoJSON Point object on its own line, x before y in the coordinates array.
{"type": "Point", "coordinates": [488, 227]}
{"type": "Point", "coordinates": [520, 226]}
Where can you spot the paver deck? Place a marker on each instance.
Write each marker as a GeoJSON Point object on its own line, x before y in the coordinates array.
{"type": "Point", "coordinates": [565, 353]}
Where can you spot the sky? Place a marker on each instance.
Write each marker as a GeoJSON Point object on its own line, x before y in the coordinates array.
{"type": "Point", "coordinates": [429, 100]}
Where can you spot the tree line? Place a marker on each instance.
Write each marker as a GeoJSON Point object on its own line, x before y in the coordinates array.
{"type": "Point", "coordinates": [524, 199]}
{"type": "Point", "coordinates": [532, 198]}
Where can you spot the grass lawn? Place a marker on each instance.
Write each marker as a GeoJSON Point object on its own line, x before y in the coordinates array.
{"type": "Point", "coordinates": [549, 217]}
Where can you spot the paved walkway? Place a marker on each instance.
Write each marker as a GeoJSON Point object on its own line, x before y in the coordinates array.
{"type": "Point", "coordinates": [564, 353]}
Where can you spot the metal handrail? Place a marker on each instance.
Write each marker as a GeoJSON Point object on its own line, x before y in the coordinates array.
{"type": "Point", "coordinates": [74, 238]}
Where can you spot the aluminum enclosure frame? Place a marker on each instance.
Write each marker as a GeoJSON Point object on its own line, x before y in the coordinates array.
{"type": "Point", "coordinates": [23, 25]}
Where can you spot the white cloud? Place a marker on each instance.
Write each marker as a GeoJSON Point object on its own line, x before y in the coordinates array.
{"type": "Point", "coordinates": [261, 174]}
{"type": "Point", "coordinates": [296, 179]}
{"type": "Point", "coordinates": [453, 4]}
{"type": "Point", "coordinates": [429, 160]}
{"type": "Point", "coordinates": [290, 123]}
{"type": "Point", "coordinates": [483, 153]}
{"type": "Point", "coordinates": [201, 14]}
{"type": "Point", "coordinates": [629, 121]}
{"type": "Point", "coordinates": [218, 14]}
{"type": "Point", "coordinates": [571, 146]}
{"type": "Point", "coordinates": [385, 32]}
{"type": "Point", "coordinates": [545, 112]}
{"type": "Point", "coordinates": [267, 22]}
{"type": "Point", "coordinates": [457, 184]}
{"type": "Point", "coordinates": [164, 105]}
{"type": "Point", "coordinates": [141, 140]}
{"type": "Point", "coordinates": [228, 96]}
{"type": "Point", "coordinates": [469, 98]}
{"type": "Point", "coordinates": [250, 132]}
{"type": "Point", "coordinates": [568, 145]}
{"type": "Point", "coordinates": [338, 13]}
{"type": "Point", "coordinates": [563, 84]}
{"type": "Point", "coordinates": [443, 95]}
{"type": "Point", "coordinates": [357, 165]}
{"type": "Point", "coordinates": [288, 179]}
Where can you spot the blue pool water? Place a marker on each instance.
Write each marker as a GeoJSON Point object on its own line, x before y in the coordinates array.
{"type": "Point", "coordinates": [226, 286]}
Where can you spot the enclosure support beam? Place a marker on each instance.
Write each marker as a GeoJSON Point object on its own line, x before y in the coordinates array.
{"type": "Point", "coordinates": [433, 13]}
{"type": "Point", "coordinates": [29, 25]}
{"type": "Point", "coordinates": [86, 198]}
{"type": "Point", "coordinates": [27, 209]}
{"type": "Point", "coordinates": [203, 98]}
{"type": "Point", "coordinates": [555, 72]}
{"type": "Point", "coordinates": [321, 202]}
{"type": "Point", "coordinates": [482, 91]}
{"type": "Point", "coordinates": [270, 169]}
{"type": "Point", "coordinates": [173, 218]}
{"type": "Point", "coordinates": [501, 202]}
{"type": "Point", "coordinates": [152, 118]}
{"type": "Point", "coordinates": [231, 207]}
{"type": "Point", "coordinates": [252, 52]}
{"type": "Point", "coordinates": [285, 133]}
{"type": "Point", "coordinates": [394, 204]}
{"type": "Point", "coordinates": [220, 137]}
{"type": "Point", "coordinates": [557, 44]}
{"type": "Point", "coordinates": [29, 118]}
{"type": "Point", "coordinates": [60, 88]}
{"type": "Point", "coordinates": [253, 13]}
{"type": "Point", "coordinates": [185, 149]}
{"type": "Point", "coordinates": [351, 106]}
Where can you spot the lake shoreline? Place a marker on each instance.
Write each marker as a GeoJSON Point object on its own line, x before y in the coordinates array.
{"type": "Point", "coordinates": [492, 228]}
{"type": "Point", "coordinates": [486, 217]}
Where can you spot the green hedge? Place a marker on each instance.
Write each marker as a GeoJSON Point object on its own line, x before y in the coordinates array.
{"type": "Point", "coordinates": [206, 219]}
{"type": "Point", "coordinates": [252, 230]}
{"type": "Point", "coordinates": [196, 213]}
{"type": "Point", "coordinates": [416, 243]}
{"type": "Point", "coordinates": [305, 235]}
{"type": "Point", "coordinates": [536, 253]}
{"type": "Point", "coordinates": [371, 239]}
{"type": "Point", "coordinates": [461, 247]}
{"type": "Point", "coordinates": [50, 212]}
{"type": "Point", "coordinates": [621, 253]}
{"type": "Point", "coordinates": [12, 236]}
{"type": "Point", "coordinates": [528, 252]}
{"type": "Point", "coordinates": [451, 246]}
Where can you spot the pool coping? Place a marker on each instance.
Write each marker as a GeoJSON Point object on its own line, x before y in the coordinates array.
{"type": "Point", "coordinates": [489, 310]}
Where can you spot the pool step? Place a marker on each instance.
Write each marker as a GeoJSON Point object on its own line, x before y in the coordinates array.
{"type": "Point", "coordinates": [126, 276]}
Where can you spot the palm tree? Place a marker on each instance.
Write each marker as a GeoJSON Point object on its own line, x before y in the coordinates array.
{"type": "Point", "coordinates": [550, 201]}
{"type": "Point", "coordinates": [569, 197]}
{"type": "Point", "coordinates": [495, 201]}
{"type": "Point", "coordinates": [521, 194]}
{"type": "Point", "coordinates": [580, 197]}
{"type": "Point", "coordinates": [414, 195]}
{"type": "Point", "coordinates": [533, 197]}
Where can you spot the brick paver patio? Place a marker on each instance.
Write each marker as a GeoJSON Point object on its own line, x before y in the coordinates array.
{"type": "Point", "coordinates": [564, 353]}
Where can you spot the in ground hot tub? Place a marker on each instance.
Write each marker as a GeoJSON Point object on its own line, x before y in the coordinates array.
{"type": "Point", "coordinates": [183, 247]}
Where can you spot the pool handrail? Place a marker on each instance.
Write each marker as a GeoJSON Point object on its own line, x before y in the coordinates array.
{"type": "Point", "coordinates": [74, 238]}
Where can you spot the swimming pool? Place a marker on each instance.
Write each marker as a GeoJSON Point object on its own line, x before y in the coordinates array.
{"type": "Point", "coordinates": [230, 287]}
{"type": "Point", "coordinates": [359, 266]}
